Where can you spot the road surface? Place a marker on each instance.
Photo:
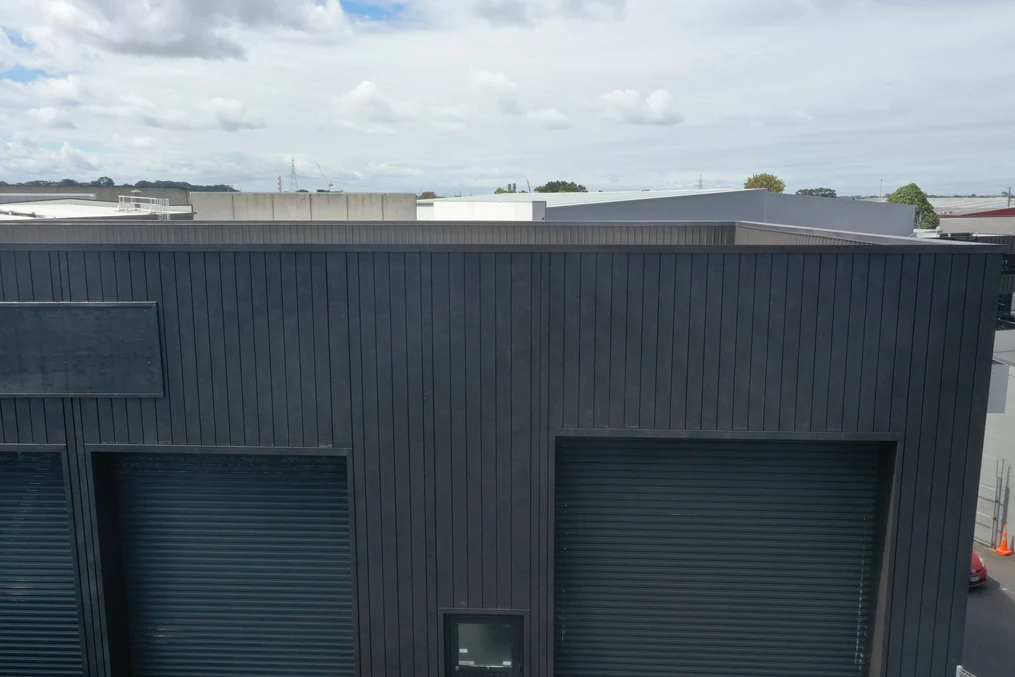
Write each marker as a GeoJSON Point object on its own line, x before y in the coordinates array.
{"type": "Point", "coordinates": [990, 620]}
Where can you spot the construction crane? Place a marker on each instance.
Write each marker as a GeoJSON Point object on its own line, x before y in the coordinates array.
{"type": "Point", "coordinates": [330, 184]}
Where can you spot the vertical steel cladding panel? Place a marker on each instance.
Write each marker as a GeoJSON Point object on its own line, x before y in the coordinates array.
{"type": "Point", "coordinates": [713, 560]}
{"type": "Point", "coordinates": [40, 629]}
{"type": "Point", "coordinates": [236, 566]}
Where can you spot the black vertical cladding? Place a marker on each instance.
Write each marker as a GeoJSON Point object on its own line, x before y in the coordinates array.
{"type": "Point", "coordinates": [667, 352]}
{"type": "Point", "coordinates": [711, 349]}
{"type": "Point", "coordinates": [601, 363]}
{"type": "Point", "coordinates": [791, 341]}
{"type": "Point", "coordinates": [617, 347]}
{"type": "Point", "coordinates": [741, 390]}
{"type": "Point", "coordinates": [446, 373]}
{"type": "Point", "coordinates": [418, 478]}
{"type": "Point", "coordinates": [459, 427]}
{"type": "Point", "coordinates": [690, 314]}
{"type": "Point", "coordinates": [776, 339]}
{"type": "Point", "coordinates": [474, 416]}
{"type": "Point", "coordinates": [256, 270]}
{"type": "Point", "coordinates": [727, 344]}
{"type": "Point", "coordinates": [488, 416]}
{"type": "Point", "coordinates": [649, 374]}
{"type": "Point", "coordinates": [631, 412]}
{"type": "Point", "coordinates": [583, 290]}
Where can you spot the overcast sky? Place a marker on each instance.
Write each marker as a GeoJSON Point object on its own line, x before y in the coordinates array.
{"type": "Point", "coordinates": [466, 95]}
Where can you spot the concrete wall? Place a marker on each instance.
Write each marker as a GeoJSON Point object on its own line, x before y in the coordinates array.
{"type": "Point", "coordinates": [177, 196]}
{"type": "Point", "coordinates": [304, 206]}
{"type": "Point", "coordinates": [855, 216]}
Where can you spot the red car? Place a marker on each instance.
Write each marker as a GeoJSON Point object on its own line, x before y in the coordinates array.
{"type": "Point", "coordinates": [977, 572]}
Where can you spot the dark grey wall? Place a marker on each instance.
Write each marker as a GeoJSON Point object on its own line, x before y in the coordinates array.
{"type": "Point", "coordinates": [737, 206]}
{"type": "Point", "coordinates": [447, 373]}
{"type": "Point", "coordinates": [857, 216]}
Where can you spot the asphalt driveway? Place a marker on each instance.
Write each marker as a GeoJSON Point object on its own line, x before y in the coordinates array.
{"type": "Point", "coordinates": [990, 620]}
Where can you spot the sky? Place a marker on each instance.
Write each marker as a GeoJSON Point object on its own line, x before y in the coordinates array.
{"type": "Point", "coordinates": [463, 96]}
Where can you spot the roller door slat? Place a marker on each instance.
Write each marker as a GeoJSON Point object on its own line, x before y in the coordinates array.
{"type": "Point", "coordinates": [40, 628]}
{"type": "Point", "coordinates": [237, 566]}
{"type": "Point", "coordinates": [713, 560]}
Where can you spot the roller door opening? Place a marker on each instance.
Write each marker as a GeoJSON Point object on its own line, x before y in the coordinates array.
{"type": "Point", "coordinates": [714, 559]}
{"type": "Point", "coordinates": [236, 566]}
{"type": "Point", "coordinates": [40, 627]}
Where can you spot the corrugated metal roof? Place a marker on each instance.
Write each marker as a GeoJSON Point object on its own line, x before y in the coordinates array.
{"type": "Point", "coordinates": [968, 205]}
{"type": "Point", "coordinates": [574, 199]}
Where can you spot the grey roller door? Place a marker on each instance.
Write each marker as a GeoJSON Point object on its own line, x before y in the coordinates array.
{"type": "Point", "coordinates": [714, 560]}
{"type": "Point", "coordinates": [40, 629]}
{"type": "Point", "coordinates": [236, 566]}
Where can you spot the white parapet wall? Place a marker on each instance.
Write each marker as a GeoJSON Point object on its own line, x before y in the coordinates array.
{"type": "Point", "coordinates": [481, 211]}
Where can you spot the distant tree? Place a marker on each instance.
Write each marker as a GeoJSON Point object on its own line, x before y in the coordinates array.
{"type": "Point", "coordinates": [103, 182]}
{"type": "Point", "coordinates": [302, 190]}
{"type": "Point", "coordinates": [428, 195]}
{"type": "Point", "coordinates": [770, 182]}
{"type": "Point", "coordinates": [818, 192]}
{"type": "Point", "coordinates": [1005, 193]}
{"type": "Point", "coordinates": [502, 191]}
{"type": "Point", "coordinates": [560, 187]}
{"type": "Point", "coordinates": [911, 194]}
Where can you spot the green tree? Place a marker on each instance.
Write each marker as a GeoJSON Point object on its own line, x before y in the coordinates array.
{"type": "Point", "coordinates": [560, 187]}
{"type": "Point", "coordinates": [103, 181]}
{"type": "Point", "coordinates": [770, 182]}
{"type": "Point", "coordinates": [502, 191]}
{"type": "Point", "coordinates": [911, 194]}
{"type": "Point", "coordinates": [818, 192]}
{"type": "Point", "coordinates": [428, 195]}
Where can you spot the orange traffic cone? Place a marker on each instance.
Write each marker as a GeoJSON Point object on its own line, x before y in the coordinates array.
{"type": "Point", "coordinates": [1004, 548]}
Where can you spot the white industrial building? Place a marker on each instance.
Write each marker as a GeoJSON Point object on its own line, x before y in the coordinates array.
{"type": "Point", "coordinates": [676, 205]}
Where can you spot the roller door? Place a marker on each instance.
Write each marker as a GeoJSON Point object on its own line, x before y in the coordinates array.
{"type": "Point", "coordinates": [714, 560]}
{"type": "Point", "coordinates": [40, 628]}
{"type": "Point", "coordinates": [236, 566]}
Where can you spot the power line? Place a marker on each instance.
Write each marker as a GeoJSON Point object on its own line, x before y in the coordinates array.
{"type": "Point", "coordinates": [293, 184]}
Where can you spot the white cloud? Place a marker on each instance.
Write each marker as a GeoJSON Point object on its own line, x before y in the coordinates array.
{"type": "Point", "coordinates": [25, 157]}
{"type": "Point", "coordinates": [365, 108]}
{"type": "Point", "coordinates": [627, 107]}
{"type": "Point", "coordinates": [228, 115]}
{"type": "Point", "coordinates": [8, 53]}
{"type": "Point", "coordinates": [498, 89]}
{"type": "Point", "coordinates": [549, 118]}
{"type": "Point", "coordinates": [142, 142]}
{"type": "Point", "coordinates": [504, 12]}
{"type": "Point", "coordinates": [231, 115]}
{"type": "Point", "coordinates": [61, 91]}
{"type": "Point", "coordinates": [52, 118]}
{"type": "Point", "coordinates": [829, 115]}
{"type": "Point", "coordinates": [170, 29]}
{"type": "Point", "coordinates": [501, 13]}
